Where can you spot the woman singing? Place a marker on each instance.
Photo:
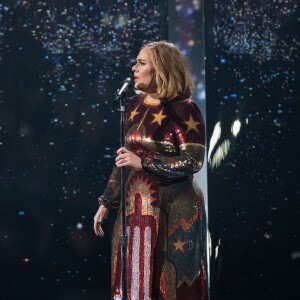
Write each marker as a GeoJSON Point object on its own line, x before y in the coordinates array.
{"type": "Point", "coordinates": [165, 214]}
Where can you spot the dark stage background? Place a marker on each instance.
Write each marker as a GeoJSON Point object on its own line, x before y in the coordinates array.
{"type": "Point", "coordinates": [252, 76]}
{"type": "Point", "coordinates": [60, 64]}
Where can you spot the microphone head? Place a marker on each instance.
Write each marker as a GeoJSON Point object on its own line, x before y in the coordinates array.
{"type": "Point", "coordinates": [121, 92]}
{"type": "Point", "coordinates": [128, 80]}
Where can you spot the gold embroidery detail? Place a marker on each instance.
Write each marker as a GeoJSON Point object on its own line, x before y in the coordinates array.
{"type": "Point", "coordinates": [151, 145]}
{"type": "Point", "coordinates": [133, 114]}
{"type": "Point", "coordinates": [179, 245]}
{"type": "Point", "coordinates": [143, 119]}
{"type": "Point", "coordinates": [185, 211]}
{"type": "Point", "coordinates": [142, 187]}
{"type": "Point", "coordinates": [192, 145]}
{"type": "Point", "coordinates": [187, 280]}
{"type": "Point", "coordinates": [151, 103]}
{"type": "Point", "coordinates": [168, 281]}
{"type": "Point", "coordinates": [192, 124]}
{"type": "Point", "coordinates": [158, 117]}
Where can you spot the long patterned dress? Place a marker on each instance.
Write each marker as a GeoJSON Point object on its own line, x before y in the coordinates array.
{"type": "Point", "coordinates": [165, 214]}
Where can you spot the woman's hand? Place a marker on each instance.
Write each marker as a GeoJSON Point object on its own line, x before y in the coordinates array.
{"type": "Point", "coordinates": [99, 217]}
{"type": "Point", "coordinates": [127, 158]}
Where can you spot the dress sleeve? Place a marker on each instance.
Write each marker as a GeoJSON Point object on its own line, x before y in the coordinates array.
{"type": "Point", "coordinates": [111, 194]}
{"type": "Point", "coordinates": [189, 133]}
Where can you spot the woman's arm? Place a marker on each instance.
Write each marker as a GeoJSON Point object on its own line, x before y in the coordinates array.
{"type": "Point", "coordinates": [190, 135]}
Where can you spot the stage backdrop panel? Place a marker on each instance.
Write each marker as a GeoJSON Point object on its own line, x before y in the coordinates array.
{"type": "Point", "coordinates": [252, 85]}
{"type": "Point", "coordinates": [60, 64]}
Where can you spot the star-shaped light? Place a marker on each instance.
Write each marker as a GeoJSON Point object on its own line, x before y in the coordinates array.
{"type": "Point", "coordinates": [179, 245]}
{"type": "Point", "coordinates": [158, 117]}
{"type": "Point", "coordinates": [192, 124]}
{"type": "Point", "coordinates": [133, 114]}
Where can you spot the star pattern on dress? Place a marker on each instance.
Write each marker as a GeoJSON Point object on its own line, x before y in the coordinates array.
{"type": "Point", "coordinates": [179, 245]}
{"type": "Point", "coordinates": [133, 114]}
{"type": "Point", "coordinates": [192, 124]}
{"type": "Point", "coordinates": [158, 117]}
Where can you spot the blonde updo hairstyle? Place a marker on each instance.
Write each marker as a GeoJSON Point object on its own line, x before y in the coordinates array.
{"type": "Point", "coordinates": [172, 75]}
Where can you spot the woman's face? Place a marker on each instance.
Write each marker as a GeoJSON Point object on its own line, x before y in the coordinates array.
{"type": "Point", "coordinates": [143, 72]}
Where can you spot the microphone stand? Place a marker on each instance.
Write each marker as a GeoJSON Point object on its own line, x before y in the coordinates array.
{"type": "Point", "coordinates": [123, 240]}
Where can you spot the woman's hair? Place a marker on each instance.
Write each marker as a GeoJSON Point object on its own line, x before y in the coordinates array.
{"type": "Point", "coordinates": [172, 75]}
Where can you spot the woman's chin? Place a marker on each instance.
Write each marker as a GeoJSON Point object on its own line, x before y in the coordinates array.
{"type": "Point", "coordinates": [141, 86]}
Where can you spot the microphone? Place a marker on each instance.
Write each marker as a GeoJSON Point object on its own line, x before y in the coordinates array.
{"type": "Point", "coordinates": [124, 88]}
